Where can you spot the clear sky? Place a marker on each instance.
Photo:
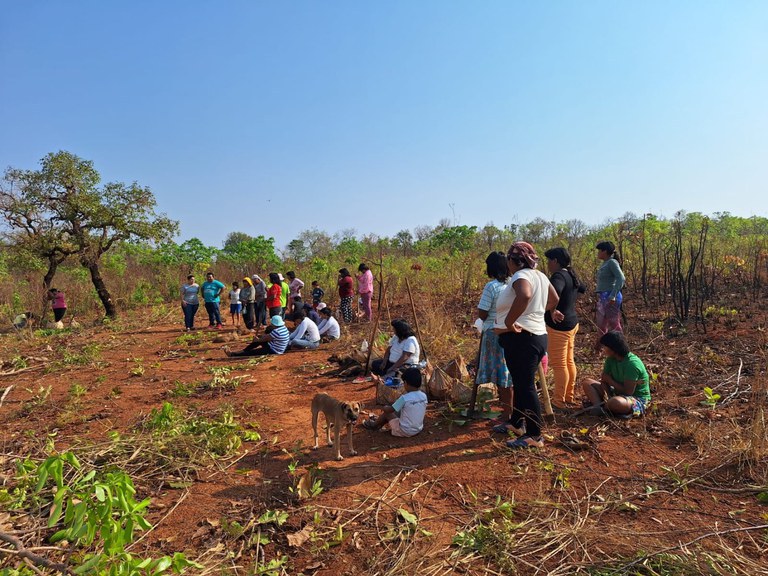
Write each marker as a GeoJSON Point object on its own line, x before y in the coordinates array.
{"type": "Point", "coordinates": [275, 117]}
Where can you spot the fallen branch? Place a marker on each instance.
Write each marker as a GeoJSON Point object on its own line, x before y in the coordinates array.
{"type": "Point", "coordinates": [26, 554]}
{"type": "Point", "coordinates": [5, 393]}
{"type": "Point", "coordinates": [684, 545]}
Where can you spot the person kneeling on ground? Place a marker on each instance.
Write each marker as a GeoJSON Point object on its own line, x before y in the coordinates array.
{"type": "Point", "coordinates": [406, 416]}
{"type": "Point", "coordinates": [623, 387]}
{"type": "Point", "coordinates": [273, 341]}
{"type": "Point", "coordinates": [305, 336]}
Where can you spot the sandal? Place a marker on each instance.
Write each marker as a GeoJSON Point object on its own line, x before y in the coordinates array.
{"type": "Point", "coordinates": [506, 428]}
{"type": "Point", "coordinates": [525, 442]}
{"type": "Point", "coordinates": [570, 441]}
{"type": "Point", "coordinates": [369, 424]}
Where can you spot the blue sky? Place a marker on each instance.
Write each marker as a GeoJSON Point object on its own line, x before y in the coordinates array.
{"type": "Point", "coordinates": [274, 117]}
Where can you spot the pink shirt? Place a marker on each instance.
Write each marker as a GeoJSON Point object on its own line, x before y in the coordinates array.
{"type": "Point", "coordinates": [365, 282]}
{"type": "Point", "coordinates": [58, 301]}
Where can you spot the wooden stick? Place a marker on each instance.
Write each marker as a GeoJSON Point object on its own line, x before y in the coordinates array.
{"type": "Point", "coordinates": [5, 393]}
{"type": "Point", "coordinates": [374, 328]}
{"type": "Point", "coordinates": [545, 392]}
{"type": "Point", "coordinates": [476, 384]}
{"type": "Point", "coordinates": [415, 319]}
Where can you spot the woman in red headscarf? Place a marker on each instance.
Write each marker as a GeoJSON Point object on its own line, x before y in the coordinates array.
{"type": "Point", "coordinates": [522, 334]}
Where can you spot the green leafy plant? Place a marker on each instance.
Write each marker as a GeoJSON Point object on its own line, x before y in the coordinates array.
{"type": "Point", "coordinates": [93, 511]}
{"type": "Point", "coordinates": [492, 535]}
{"type": "Point", "coordinates": [138, 367]}
{"type": "Point", "coordinates": [710, 397]}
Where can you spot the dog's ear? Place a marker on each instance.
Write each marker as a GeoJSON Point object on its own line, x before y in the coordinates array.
{"type": "Point", "coordinates": [344, 406]}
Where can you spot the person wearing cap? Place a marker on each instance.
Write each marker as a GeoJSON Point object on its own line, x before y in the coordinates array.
{"type": "Point", "coordinates": [273, 341]}
{"type": "Point", "coordinates": [522, 332]}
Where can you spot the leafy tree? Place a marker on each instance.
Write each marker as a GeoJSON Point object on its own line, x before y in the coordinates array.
{"type": "Point", "coordinates": [456, 238]}
{"type": "Point", "coordinates": [403, 240]}
{"type": "Point", "coordinates": [87, 218]}
{"type": "Point", "coordinates": [246, 251]}
{"type": "Point", "coordinates": [29, 230]}
{"type": "Point", "coordinates": [317, 243]}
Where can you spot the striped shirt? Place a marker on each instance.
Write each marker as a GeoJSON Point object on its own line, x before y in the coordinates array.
{"type": "Point", "coordinates": [279, 342]}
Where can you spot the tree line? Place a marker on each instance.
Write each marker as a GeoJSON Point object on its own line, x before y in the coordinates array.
{"type": "Point", "coordinates": [62, 219]}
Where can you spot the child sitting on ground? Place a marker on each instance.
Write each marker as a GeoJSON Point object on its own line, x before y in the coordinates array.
{"type": "Point", "coordinates": [406, 416]}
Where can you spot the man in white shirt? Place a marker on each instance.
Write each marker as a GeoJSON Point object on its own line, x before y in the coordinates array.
{"type": "Point", "coordinates": [306, 335]}
{"type": "Point", "coordinates": [329, 327]}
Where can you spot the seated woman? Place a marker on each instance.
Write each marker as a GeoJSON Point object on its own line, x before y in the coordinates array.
{"type": "Point", "coordinates": [329, 327]}
{"type": "Point", "coordinates": [623, 387]}
{"type": "Point", "coordinates": [273, 341]}
{"type": "Point", "coordinates": [402, 352]}
{"type": "Point", "coordinates": [305, 336]}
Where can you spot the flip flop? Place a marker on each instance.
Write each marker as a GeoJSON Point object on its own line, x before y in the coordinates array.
{"type": "Point", "coordinates": [369, 424]}
{"type": "Point", "coordinates": [522, 442]}
{"type": "Point", "coordinates": [361, 379]}
{"type": "Point", "coordinates": [507, 428]}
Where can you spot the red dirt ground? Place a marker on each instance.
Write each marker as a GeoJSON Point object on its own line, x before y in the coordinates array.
{"type": "Point", "coordinates": [645, 485]}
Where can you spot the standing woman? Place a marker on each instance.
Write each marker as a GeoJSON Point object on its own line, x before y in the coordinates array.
{"type": "Point", "coordinates": [365, 289]}
{"type": "Point", "coordinates": [248, 301]}
{"type": "Point", "coordinates": [346, 293]}
{"type": "Point", "coordinates": [260, 290]}
{"type": "Point", "coordinates": [562, 325]}
{"type": "Point", "coordinates": [274, 293]}
{"type": "Point", "coordinates": [523, 336]}
{"type": "Point", "coordinates": [58, 304]}
{"type": "Point", "coordinates": [190, 302]}
{"type": "Point", "coordinates": [610, 281]}
{"type": "Point", "coordinates": [491, 366]}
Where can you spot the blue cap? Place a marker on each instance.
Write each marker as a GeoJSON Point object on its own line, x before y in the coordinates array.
{"type": "Point", "coordinates": [277, 321]}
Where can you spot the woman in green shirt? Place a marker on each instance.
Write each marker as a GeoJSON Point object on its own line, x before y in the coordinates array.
{"type": "Point", "coordinates": [623, 386]}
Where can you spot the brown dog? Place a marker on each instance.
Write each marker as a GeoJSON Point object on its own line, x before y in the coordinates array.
{"type": "Point", "coordinates": [336, 414]}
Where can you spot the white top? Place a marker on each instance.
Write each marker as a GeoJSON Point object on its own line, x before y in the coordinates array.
{"type": "Point", "coordinates": [532, 318]}
{"type": "Point", "coordinates": [397, 348]}
{"type": "Point", "coordinates": [411, 408]}
{"type": "Point", "coordinates": [329, 326]}
{"type": "Point", "coordinates": [234, 296]}
{"type": "Point", "coordinates": [306, 330]}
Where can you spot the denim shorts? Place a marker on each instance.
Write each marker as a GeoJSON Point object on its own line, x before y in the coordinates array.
{"type": "Point", "coordinates": [235, 308]}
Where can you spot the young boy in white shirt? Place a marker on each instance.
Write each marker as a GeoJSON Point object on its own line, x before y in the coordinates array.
{"type": "Point", "coordinates": [406, 416]}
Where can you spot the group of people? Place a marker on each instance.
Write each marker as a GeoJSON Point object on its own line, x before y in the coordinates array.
{"type": "Point", "coordinates": [527, 315]}
{"type": "Point", "coordinates": [256, 301]}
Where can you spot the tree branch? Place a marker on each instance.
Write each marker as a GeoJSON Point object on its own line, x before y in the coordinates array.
{"type": "Point", "coordinates": [36, 559]}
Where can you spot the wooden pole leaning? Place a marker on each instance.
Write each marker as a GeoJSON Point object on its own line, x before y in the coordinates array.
{"type": "Point", "coordinates": [415, 319]}
{"type": "Point", "coordinates": [374, 328]}
{"type": "Point", "coordinates": [545, 393]}
{"type": "Point", "coordinates": [476, 383]}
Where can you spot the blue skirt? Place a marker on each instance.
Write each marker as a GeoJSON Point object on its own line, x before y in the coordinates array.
{"type": "Point", "coordinates": [492, 367]}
